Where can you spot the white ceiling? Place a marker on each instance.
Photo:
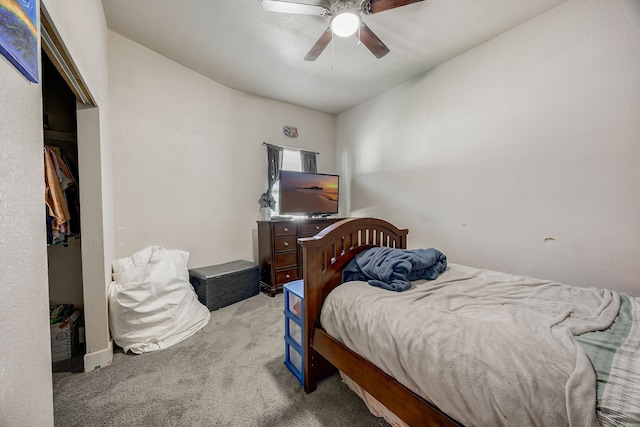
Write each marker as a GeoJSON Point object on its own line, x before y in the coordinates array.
{"type": "Point", "coordinates": [237, 44]}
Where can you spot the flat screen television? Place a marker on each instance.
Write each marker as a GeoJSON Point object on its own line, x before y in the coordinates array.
{"type": "Point", "coordinates": [310, 194]}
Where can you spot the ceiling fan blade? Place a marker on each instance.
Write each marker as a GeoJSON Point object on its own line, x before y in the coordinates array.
{"type": "Point", "coordinates": [381, 5]}
{"type": "Point", "coordinates": [372, 42]}
{"type": "Point", "coordinates": [317, 48]}
{"type": "Point", "coordinates": [293, 7]}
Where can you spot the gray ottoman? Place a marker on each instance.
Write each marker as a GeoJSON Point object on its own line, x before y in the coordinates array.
{"type": "Point", "coordinates": [220, 285]}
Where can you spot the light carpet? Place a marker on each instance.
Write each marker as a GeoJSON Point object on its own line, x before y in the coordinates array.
{"type": "Point", "coordinates": [230, 373]}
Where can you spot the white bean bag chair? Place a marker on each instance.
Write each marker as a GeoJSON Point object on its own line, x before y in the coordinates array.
{"type": "Point", "coordinates": [152, 305]}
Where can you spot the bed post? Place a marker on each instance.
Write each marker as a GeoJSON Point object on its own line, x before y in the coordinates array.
{"type": "Point", "coordinates": [315, 366]}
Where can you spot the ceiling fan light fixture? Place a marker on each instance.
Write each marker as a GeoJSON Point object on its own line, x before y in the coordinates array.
{"type": "Point", "coordinates": [345, 23]}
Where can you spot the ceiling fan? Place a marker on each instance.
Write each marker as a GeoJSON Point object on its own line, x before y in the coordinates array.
{"type": "Point", "coordinates": [345, 20]}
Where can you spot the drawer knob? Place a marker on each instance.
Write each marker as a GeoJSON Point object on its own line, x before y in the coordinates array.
{"type": "Point", "coordinates": [317, 227]}
{"type": "Point", "coordinates": [286, 244]}
{"type": "Point", "coordinates": [287, 276]}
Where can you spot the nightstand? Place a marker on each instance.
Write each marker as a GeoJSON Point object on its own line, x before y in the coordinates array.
{"type": "Point", "coordinates": [293, 328]}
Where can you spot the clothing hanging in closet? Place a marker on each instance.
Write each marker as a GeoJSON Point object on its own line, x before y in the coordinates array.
{"type": "Point", "coordinates": [61, 197]}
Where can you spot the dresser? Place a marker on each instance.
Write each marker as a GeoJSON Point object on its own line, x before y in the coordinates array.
{"type": "Point", "coordinates": [279, 255]}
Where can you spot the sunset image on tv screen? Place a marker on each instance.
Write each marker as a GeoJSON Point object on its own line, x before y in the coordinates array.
{"type": "Point", "coordinates": [308, 193]}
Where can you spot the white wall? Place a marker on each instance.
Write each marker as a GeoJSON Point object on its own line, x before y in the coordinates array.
{"type": "Point", "coordinates": [521, 155]}
{"type": "Point", "coordinates": [25, 356]}
{"type": "Point", "coordinates": [189, 164]}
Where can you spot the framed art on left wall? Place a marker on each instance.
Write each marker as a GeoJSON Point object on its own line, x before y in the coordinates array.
{"type": "Point", "coordinates": [19, 35]}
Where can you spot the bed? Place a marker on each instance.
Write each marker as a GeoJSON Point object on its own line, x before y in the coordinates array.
{"type": "Point", "coordinates": [472, 347]}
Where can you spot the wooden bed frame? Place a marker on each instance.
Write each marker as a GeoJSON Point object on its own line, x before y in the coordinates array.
{"type": "Point", "coordinates": [324, 257]}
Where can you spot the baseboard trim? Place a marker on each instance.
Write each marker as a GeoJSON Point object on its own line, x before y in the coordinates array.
{"type": "Point", "coordinates": [98, 359]}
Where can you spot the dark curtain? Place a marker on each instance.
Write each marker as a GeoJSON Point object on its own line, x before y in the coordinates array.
{"type": "Point", "coordinates": [274, 159]}
{"type": "Point", "coordinates": [308, 160]}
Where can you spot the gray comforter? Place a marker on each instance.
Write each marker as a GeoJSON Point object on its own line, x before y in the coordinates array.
{"type": "Point", "coordinates": [487, 348]}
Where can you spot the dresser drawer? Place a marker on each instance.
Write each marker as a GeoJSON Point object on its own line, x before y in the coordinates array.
{"type": "Point", "coordinates": [313, 228]}
{"type": "Point", "coordinates": [286, 260]}
{"type": "Point", "coordinates": [285, 276]}
{"type": "Point", "coordinates": [285, 243]}
{"type": "Point", "coordinates": [283, 229]}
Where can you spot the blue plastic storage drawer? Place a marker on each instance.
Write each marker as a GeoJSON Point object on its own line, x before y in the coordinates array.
{"type": "Point", "coordinates": [293, 328]}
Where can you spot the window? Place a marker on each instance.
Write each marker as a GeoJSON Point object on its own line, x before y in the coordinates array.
{"type": "Point", "coordinates": [291, 160]}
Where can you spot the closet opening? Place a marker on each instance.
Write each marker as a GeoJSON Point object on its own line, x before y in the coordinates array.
{"type": "Point", "coordinates": [82, 126]}
{"type": "Point", "coordinates": [64, 244]}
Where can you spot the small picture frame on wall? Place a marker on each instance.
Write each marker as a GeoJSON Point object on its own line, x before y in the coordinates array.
{"type": "Point", "coordinates": [19, 35]}
{"type": "Point", "coordinates": [290, 131]}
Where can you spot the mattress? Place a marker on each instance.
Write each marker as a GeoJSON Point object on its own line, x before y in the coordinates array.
{"type": "Point", "coordinates": [487, 348]}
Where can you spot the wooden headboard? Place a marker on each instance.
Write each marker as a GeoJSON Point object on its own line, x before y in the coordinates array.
{"type": "Point", "coordinates": [323, 258]}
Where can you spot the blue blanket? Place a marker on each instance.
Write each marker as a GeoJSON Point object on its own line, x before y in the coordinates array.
{"type": "Point", "coordinates": [393, 269]}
